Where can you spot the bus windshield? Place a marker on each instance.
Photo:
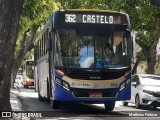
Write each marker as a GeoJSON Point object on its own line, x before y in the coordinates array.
{"type": "Point", "coordinates": [29, 69]}
{"type": "Point", "coordinates": [92, 48]}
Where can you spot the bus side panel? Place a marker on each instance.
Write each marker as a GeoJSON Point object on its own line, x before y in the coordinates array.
{"type": "Point", "coordinates": [43, 73]}
{"type": "Point", "coordinates": [124, 94]}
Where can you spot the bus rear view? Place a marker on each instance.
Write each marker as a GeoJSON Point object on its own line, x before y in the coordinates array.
{"type": "Point", "coordinates": [89, 58]}
{"type": "Point", "coordinates": [28, 73]}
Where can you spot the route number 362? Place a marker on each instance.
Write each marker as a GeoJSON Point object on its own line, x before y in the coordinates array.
{"type": "Point", "coordinates": [70, 18]}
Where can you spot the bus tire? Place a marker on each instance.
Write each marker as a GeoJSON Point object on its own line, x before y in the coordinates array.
{"type": "Point", "coordinates": [55, 104]}
{"type": "Point", "coordinates": [109, 106]}
{"type": "Point", "coordinates": [48, 90]}
{"type": "Point", "coordinates": [35, 87]}
{"type": "Point", "coordinates": [40, 98]}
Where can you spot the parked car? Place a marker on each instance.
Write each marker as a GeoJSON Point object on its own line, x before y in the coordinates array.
{"type": "Point", "coordinates": [145, 91]}
{"type": "Point", "coordinates": [19, 80]}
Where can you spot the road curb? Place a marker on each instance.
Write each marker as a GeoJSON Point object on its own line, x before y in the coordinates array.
{"type": "Point", "coordinates": [15, 96]}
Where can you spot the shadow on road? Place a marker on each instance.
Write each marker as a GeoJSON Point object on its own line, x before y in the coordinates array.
{"type": "Point", "coordinates": [69, 109]}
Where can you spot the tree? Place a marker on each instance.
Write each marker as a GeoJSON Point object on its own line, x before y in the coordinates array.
{"type": "Point", "coordinates": [26, 44]}
{"type": "Point", "coordinates": [10, 11]}
{"type": "Point", "coordinates": [145, 20]}
{"type": "Point", "coordinates": [35, 14]}
{"type": "Point", "coordinates": [139, 58]}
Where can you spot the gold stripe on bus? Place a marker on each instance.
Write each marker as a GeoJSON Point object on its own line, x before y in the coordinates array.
{"type": "Point", "coordinates": [111, 80]}
{"type": "Point", "coordinates": [90, 10]}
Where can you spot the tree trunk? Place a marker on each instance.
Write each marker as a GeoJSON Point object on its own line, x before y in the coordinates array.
{"type": "Point", "coordinates": [9, 23]}
{"type": "Point", "coordinates": [15, 69]}
{"type": "Point", "coordinates": [26, 44]}
{"type": "Point", "coordinates": [134, 70]}
{"type": "Point", "coordinates": [150, 50]}
{"type": "Point", "coordinates": [150, 53]}
{"type": "Point", "coordinates": [151, 56]}
{"type": "Point", "coordinates": [151, 61]}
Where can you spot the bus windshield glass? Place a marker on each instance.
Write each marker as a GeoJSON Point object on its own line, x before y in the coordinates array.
{"type": "Point", "coordinates": [92, 48]}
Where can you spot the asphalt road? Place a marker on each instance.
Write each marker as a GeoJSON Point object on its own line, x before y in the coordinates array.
{"type": "Point", "coordinates": [79, 111]}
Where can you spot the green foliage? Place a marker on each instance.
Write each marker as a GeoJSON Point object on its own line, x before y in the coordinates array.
{"type": "Point", "coordinates": [34, 12]}
{"type": "Point", "coordinates": [140, 56]}
{"type": "Point", "coordinates": [38, 10]}
{"type": "Point", "coordinates": [142, 14]}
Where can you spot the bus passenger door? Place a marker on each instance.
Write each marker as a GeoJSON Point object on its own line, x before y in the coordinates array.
{"type": "Point", "coordinates": [51, 61]}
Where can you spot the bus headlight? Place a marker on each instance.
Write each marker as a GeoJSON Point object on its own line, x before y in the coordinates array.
{"type": "Point", "coordinates": [62, 83]}
{"type": "Point", "coordinates": [58, 81]}
{"type": "Point", "coordinates": [65, 86]}
{"type": "Point", "coordinates": [128, 81]}
{"type": "Point", "coordinates": [122, 86]}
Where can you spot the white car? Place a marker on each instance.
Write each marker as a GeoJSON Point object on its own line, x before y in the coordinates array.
{"type": "Point", "coordinates": [145, 90]}
{"type": "Point", "coordinates": [19, 80]}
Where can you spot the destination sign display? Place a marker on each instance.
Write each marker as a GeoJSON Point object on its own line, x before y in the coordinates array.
{"type": "Point", "coordinates": [30, 62]}
{"type": "Point", "coordinates": [95, 19]}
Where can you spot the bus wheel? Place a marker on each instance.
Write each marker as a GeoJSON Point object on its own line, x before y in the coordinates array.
{"type": "Point", "coordinates": [40, 98]}
{"type": "Point", "coordinates": [109, 106]}
{"type": "Point", "coordinates": [55, 104]}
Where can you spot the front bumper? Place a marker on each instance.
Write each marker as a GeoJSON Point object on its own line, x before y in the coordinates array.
{"type": "Point", "coordinates": [62, 94]}
{"type": "Point", "coordinates": [29, 83]}
{"type": "Point", "coordinates": [149, 100]}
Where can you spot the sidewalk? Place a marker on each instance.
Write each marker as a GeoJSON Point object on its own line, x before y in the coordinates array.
{"type": "Point", "coordinates": [15, 103]}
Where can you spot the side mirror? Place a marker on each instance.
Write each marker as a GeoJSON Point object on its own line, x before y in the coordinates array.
{"type": "Point", "coordinates": [134, 84]}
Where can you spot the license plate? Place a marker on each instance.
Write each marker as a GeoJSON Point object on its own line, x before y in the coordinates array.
{"type": "Point", "coordinates": [95, 95]}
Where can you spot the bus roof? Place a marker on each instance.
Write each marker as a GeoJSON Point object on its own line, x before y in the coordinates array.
{"type": "Point", "coordinates": [91, 10]}
{"type": "Point", "coordinates": [57, 19]}
{"type": "Point", "coordinates": [75, 18]}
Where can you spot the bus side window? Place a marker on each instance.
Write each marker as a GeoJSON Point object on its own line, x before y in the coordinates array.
{"type": "Point", "coordinates": [49, 43]}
